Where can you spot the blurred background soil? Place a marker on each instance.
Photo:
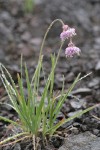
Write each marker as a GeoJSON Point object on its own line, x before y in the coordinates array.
{"type": "Point", "coordinates": [22, 32]}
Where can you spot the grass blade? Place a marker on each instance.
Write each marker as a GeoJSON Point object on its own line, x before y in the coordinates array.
{"type": "Point", "coordinates": [8, 120]}
{"type": "Point", "coordinates": [13, 137]}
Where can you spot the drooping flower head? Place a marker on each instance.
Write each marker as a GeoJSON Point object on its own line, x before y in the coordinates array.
{"type": "Point", "coordinates": [67, 33]}
{"type": "Point", "coordinates": [71, 50]}
{"type": "Point", "coordinates": [70, 32]}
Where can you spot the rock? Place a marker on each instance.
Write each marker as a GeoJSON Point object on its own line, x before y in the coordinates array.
{"type": "Point", "coordinates": [83, 141]}
{"type": "Point", "coordinates": [66, 107]}
{"type": "Point", "coordinates": [25, 50]}
{"type": "Point", "coordinates": [26, 36]}
{"type": "Point", "coordinates": [36, 41]}
{"type": "Point", "coordinates": [5, 35]}
{"type": "Point", "coordinates": [22, 27]}
{"type": "Point", "coordinates": [97, 68]}
{"type": "Point", "coordinates": [67, 125]}
{"type": "Point", "coordinates": [1, 124]}
{"type": "Point", "coordinates": [70, 77]}
{"type": "Point", "coordinates": [96, 131]}
{"type": "Point", "coordinates": [17, 147]}
{"type": "Point", "coordinates": [97, 43]}
{"type": "Point", "coordinates": [59, 80]}
{"type": "Point", "coordinates": [95, 82]}
{"type": "Point", "coordinates": [96, 30]}
{"type": "Point", "coordinates": [6, 18]}
{"type": "Point", "coordinates": [84, 128]}
{"type": "Point", "coordinates": [2, 55]}
{"type": "Point", "coordinates": [77, 104]}
{"type": "Point", "coordinates": [74, 130]}
{"type": "Point", "coordinates": [60, 116]}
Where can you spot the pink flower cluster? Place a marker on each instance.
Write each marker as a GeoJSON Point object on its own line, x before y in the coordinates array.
{"type": "Point", "coordinates": [69, 33]}
{"type": "Point", "coordinates": [70, 51]}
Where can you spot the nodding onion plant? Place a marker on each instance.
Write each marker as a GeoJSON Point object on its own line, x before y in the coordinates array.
{"type": "Point", "coordinates": [34, 116]}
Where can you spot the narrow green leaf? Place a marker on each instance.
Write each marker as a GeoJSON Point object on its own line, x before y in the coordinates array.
{"type": "Point", "coordinates": [8, 105]}
{"type": "Point", "coordinates": [9, 121]}
{"type": "Point", "coordinates": [13, 137]}
{"type": "Point", "coordinates": [30, 103]}
{"type": "Point", "coordinates": [55, 127]}
{"type": "Point", "coordinates": [21, 96]}
{"type": "Point", "coordinates": [63, 98]}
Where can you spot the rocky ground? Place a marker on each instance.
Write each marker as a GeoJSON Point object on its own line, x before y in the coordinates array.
{"type": "Point", "coordinates": [22, 32]}
{"type": "Point", "coordinates": [81, 141]}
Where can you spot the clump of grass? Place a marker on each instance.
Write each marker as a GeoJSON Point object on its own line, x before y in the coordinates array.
{"type": "Point", "coordinates": [37, 118]}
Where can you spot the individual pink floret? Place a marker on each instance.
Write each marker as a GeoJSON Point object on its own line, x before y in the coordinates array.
{"type": "Point", "coordinates": [65, 27]}
{"type": "Point", "coordinates": [71, 51]}
{"type": "Point", "coordinates": [63, 36]}
{"type": "Point", "coordinates": [70, 32]}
